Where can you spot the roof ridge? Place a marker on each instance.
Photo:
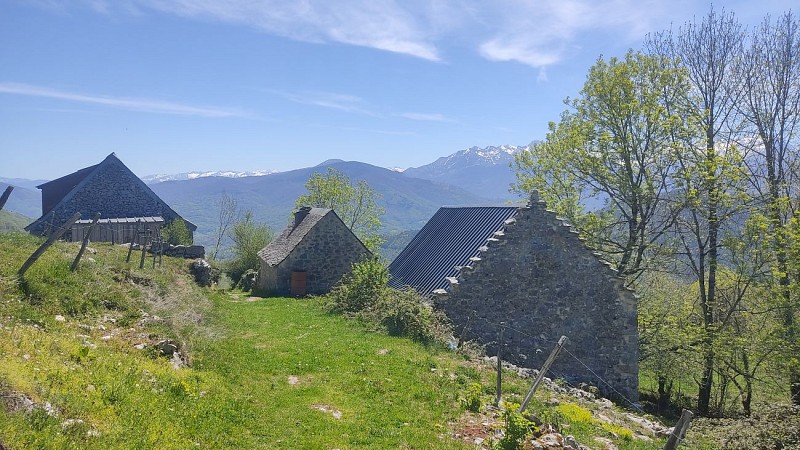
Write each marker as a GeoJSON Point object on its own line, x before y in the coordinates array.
{"type": "Point", "coordinates": [110, 159]}
{"type": "Point", "coordinates": [562, 225]}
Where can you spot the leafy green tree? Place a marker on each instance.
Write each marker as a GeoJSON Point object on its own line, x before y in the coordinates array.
{"type": "Point", "coordinates": [248, 239]}
{"type": "Point", "coordinates": [177, 233]}
{"type": "Point", "coordinates": [356, 204]}
{"type": "Point", "coordinates": [770, 74]}
{"type": "Point", "coordinates": [616, 142]}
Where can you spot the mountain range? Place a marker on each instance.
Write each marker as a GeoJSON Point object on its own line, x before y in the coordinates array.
{"type": "Point", "coordinates": [474, 176]}
{"type": "Point", "coordinates": [158, 178]}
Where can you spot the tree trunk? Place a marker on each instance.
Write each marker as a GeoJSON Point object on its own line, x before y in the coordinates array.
{"type": "Point", "coordinates": [706, 383]}
{"type": "Point", "coordinates": [664, 393]}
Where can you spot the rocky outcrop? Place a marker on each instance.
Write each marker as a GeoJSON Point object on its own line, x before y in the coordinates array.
{"type": "Point", "coordinates": [201, 271]}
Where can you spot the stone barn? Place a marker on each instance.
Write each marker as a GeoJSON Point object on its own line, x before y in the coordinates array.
{"type": "Point", "coordinates": [310, 256]}
{"type": "Point", "coordinates": [525, 267]}
{"type": "Point", "coordinates": [111, 189]}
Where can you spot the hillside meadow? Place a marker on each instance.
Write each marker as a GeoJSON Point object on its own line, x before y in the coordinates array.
{"type": "Point", "coordinates": [81, 369]}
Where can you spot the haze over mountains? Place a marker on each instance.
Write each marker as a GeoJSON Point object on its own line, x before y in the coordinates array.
{"type": "Point", "coordinates": [474, 176]}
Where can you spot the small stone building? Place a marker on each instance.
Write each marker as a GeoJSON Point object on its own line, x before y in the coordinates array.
{"type": "Point", "coordinates": [526, 268]}
{"type": "Point", "coordinates": [310, 256]}
{"type": "Point", "coordinates": [108, 188]}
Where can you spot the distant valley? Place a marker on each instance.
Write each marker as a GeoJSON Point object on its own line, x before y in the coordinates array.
{"type": "Point", "coordinates": [474, 176]}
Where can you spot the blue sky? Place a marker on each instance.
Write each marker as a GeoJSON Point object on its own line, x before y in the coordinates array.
{"type": "Point", "coordinates": [180, 85]}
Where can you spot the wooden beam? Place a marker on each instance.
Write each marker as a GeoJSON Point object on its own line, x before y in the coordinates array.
{"type": "Point", "coordinates": [679, 431]}
{"type": "Point", "coordinates": [4, 197]}
{"type": "Point", "coordinates": [53, 237]}
{"type": "Point", "coordinates": [545, 368]}
{"type": "Point", "coordinates": [85, 242]}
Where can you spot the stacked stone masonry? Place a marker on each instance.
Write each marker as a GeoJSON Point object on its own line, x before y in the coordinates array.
{"type": "Point", "coordinates": [326, 254]}
{"type": "Point", "coordinates": [112, 192]}
{"type": "Point", "coordinates": [539, 277]}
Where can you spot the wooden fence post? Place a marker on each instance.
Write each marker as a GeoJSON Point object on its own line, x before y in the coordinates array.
{"type": "Point", "coordinates": [4, 197]}
{"type": "Point", "coordinates": [85, 242]}
{"type": "Point", "coordinates": [53, 237]}
{"type": "Point", "coordinates": [679, 431]}
{"type": "Point", "coordinates": [130, 244]}
{"type": "Point", "coordinates": [144, 246]}
{"type": "Point", "coordinates": [545, 368]}
{"type": "Point", "coordinates": [500, 365]}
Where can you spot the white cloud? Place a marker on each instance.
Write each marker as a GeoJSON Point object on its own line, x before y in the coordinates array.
{"type": "Point", "coordinates": [131, 104]}
{"type": "Point", "coordinates": [426, 117]}
{"type": "Point", "coordinates": [379, 24]}
{"type": "Point", "coordinates": [537, 33]}
{"type": "Point", "coordinates": [540, 33]}
{"type": "Point", "coordinates": [342, 102]}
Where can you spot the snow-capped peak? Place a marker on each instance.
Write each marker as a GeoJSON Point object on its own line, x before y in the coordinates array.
{"type": "Point", "coordinates": [152, 179]}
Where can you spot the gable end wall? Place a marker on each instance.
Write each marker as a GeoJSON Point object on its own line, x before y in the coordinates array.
{"type": "Point", "coordinates": [326, 254]}
{"type": "Point", "coordinates": [113, 194]}
{"type": "Point", "coordinates": [540, 278]}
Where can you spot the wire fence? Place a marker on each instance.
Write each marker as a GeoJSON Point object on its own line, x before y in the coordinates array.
{"type": "Point", "coordinates": [555, 375]}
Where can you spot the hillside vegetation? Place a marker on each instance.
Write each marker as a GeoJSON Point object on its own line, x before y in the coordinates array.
{"type": "Point", "coordinates": [83, 367]}
{"type": "Point", "coordinates": [11, 221]}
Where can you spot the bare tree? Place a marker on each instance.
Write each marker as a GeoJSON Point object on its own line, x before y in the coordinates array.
{"type": "Point", "coordinates": [770, 72]}
{"type": "Point", "coordinates": [709, 166]}
{"type": "Point", "coordinates": [228, 211]}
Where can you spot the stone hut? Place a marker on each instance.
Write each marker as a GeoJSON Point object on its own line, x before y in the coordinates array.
{"type": "Point", "coordinates": [310, 256]}
{"type": "Point", "coordinates": [531, 271]}
{"type": "Point", "coordinates": [109, 188]}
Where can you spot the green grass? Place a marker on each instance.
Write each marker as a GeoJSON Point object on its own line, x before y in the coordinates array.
{"type": "Point", "coordinates": [269, 373]}
{"type": "Point", "coordinates": [302, 360]}
{"type": "Point", "coordinates": [12, 221]}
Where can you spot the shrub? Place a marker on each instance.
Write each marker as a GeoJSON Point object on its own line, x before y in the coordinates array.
{"type": "Point", "coordinates": [516, 428]}
{"type": "Point", "coordinates": [406, 313]}
{"type": "Point", "coordinates": [177, 233]}
{"type": "Point", "coordinates": [361, 288]}
{"type": "Point", "coordinates": [364, 293]}
{"type": "Point", "coordinates": [248, 239]}
{"type": "Point", "coordinates": [471, 401]}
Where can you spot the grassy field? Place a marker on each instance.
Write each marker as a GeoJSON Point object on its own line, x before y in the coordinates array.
{"type": "Point", "coordinates": [78, 369]}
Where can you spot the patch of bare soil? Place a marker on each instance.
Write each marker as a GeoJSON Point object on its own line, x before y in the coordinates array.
{"type": "Point", "coordinates": [328, 410]}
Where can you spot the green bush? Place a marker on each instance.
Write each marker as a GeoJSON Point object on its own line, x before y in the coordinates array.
{"type": "Point", "coordinates": [516, 428]}
{"type": "Point", "coordinates": [472, 401]}
{"type": "Point", "coordinates": [177, 233]}
{"type": "Point", "coordinates": [361, 288]}
{"type": "Point", "coordinates": [406, 313]}
{"type": "Point", "coordinates": [364, 293]}
{"type": "Point", "coordinates": [248, 239]}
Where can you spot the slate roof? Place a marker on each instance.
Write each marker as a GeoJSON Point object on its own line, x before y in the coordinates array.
{"type": "Point", "coordinates": [152, 219]}
{"type": "Point", "coordinates": [450, 238]}
{"type": "Point", "coordinates": [280, 247]}
{"type": "Point", "coordinates": [76, 180]}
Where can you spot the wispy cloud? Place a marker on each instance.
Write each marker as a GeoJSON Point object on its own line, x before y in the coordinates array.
{"type": "Point", "coordinates": [131, 104]}
{"type": "Point", "coordinates": [426, 117]}
{"type": "Point", "coordinates": [379, 24]}
{"type": "Point", "coordinates": [541, 33]}
{"type": "Point", "coordinates": [537, 33]}
{"type": "Point", "coordinates": [342, 102]}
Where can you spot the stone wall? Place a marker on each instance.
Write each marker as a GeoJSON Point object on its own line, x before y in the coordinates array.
{"type": "Point", "coordinates": [326, 254]}
{"type": "Point", "coordinates": [538, 277]}
{"type": "Point", "coordinates": [114, 194]}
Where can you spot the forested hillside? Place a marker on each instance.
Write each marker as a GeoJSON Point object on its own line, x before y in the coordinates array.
{"type": "Point", "coordinates": [692, 141]}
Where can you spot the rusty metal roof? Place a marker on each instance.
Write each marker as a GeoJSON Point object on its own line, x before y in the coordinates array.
{"type": "Point", "coordinates": [450, 238]}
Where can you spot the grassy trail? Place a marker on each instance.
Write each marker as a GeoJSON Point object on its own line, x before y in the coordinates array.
{"type": "Point", "coordinates": [307, 379]}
